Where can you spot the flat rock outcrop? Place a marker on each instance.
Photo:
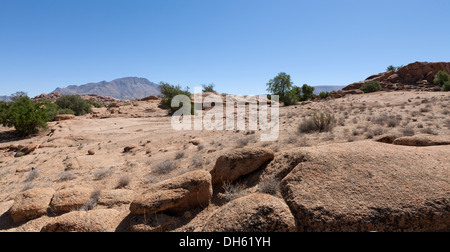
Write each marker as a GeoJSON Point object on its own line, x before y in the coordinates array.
{"type": "Point", "coordinates": [370, 186]}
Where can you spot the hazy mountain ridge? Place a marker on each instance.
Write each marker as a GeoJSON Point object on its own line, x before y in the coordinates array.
{"type": "Point", "coordinates": [129, 88]}
{"type": "Point", "coordinates": [5, 98]}
{"type": "Point", "coordinates": [319, 89]}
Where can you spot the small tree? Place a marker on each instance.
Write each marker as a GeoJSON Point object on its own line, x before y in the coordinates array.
{"type": "Point", "coordinates": [391, 68]}
{"type": "Point", "coordinates": [25, 115]}
{"type": "Point", "coordinates": [168, 92]}
{"type": "Point", "coordinates": [371, 87]}
{"type": "Point", "coordinates": [208, 88]}
{"type": "Point", "coordinates": [281, 85]}
{"type": "Point", "coordinates": [308, 92]}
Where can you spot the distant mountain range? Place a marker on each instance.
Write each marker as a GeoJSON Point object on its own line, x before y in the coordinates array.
{"type": "Point", "coordinates": [129, 88]}
{"type": "Point", "coordinates": [132, 88]}
{"type": "Point", "coordinates": [5, 98]}
{"type": "Point", "coordinates": [318, 89]}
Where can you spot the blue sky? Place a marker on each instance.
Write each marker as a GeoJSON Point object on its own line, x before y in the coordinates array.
{"type": "Point", "coordinates": [237, 44]}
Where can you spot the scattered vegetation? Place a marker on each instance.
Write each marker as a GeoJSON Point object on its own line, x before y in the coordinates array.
{"type": "Point", "coordinates": [165, 167]}
{"type": "Point", "coordinates": [102, 173]}
{"type": "Point", "coordinates": [33, 174]}
{"type": "Point", "coordinates": [123, 182]}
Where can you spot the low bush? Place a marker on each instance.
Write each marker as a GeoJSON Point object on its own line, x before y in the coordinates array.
{"type": "Point", "coordinates": [74, 103]}
{"type": "Point", "coordinates": [371, 87]}
{"type": "Point", "coordinates": [318, 122]}
{"type": "Point", "coordinates": [165, 167]}
{"type": "Point", "coordinates": [324, 95]}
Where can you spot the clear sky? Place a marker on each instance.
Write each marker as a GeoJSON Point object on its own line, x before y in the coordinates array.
{"type": "Point", "coordinates": [237, 44]}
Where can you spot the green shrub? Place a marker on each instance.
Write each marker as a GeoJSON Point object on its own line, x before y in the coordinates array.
{"type": "Point", "coordinates": [168, 92]}
{"type": "Point", "coordinates": [324, 95]}
{"type": "Point", "coordinates": [441, 78]}
{"type": "Point", "coordinates": [208, 88]}
{"type": "Point", "coordinates": [446, 86]}
{"type": "Point", "coordinates": [291, 98]}
{"type": "Point", "coordinates": [371, 87]}
{"type": "Point", "coordinates": [26, 116]}
{"type": "Point", "coordinates": [74, 103]}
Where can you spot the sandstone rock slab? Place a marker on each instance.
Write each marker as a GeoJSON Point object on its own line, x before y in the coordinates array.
{"type": "Point", "coordinates": [176, 195]}
{"type": "Point", "coordinates": [253, 213]}
{"type": "Point", "coordinates": [31, 204]}
{"type": "Point", "coordinates": [240, 162]}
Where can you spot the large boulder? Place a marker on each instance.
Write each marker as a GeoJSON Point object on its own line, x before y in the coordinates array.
{"type": "Point", "coordinates": [370, 186]}
{"type": "Point", "coordinates": [238, 163]}
{"type": "Point", "coordinates": [176, 195]}
{"type": "Point", "coordinates": [252, 213]}
{"type": "Point", "coordinates": [70, 199]}
{"type": "Point", "coordinates": [31, 204]}
{"type": "Point", "coordinates": [101, 220]}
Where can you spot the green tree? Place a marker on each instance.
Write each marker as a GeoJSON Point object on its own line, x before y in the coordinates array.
{"type": "Point", "coordinates": [74, 103]}
{"type": "Point", "coordinates": [168, 92]}
{"type": "Point", "coordinates": [25, 115]}
{"type": "Point", "coordinates": [307, 92]}
{"type": "Point", "coordinates": [281, 85]}
{"type": "Point", "coordinates": [208, 88]}
{"type": "Point", "coordinates": [391, 68]}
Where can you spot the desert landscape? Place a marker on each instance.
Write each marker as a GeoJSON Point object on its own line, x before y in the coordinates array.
{"type": "Point", "coordinates": [381, 165]}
